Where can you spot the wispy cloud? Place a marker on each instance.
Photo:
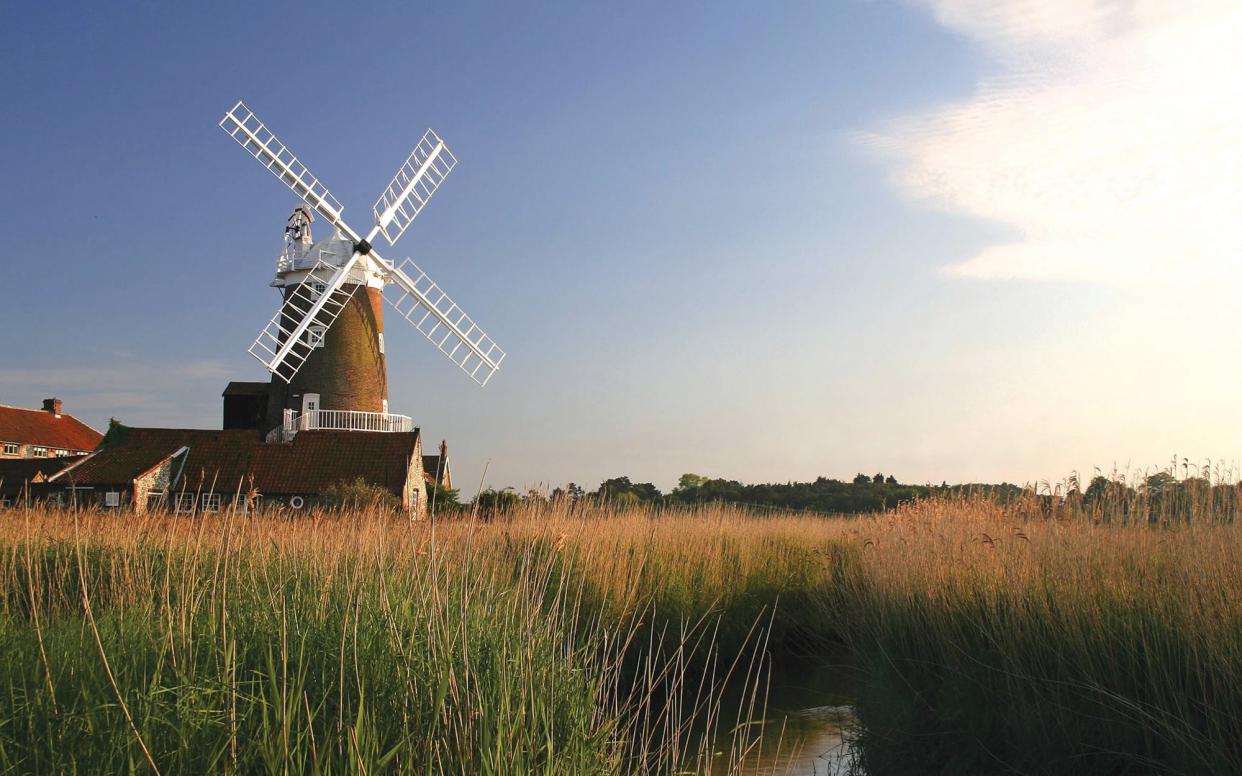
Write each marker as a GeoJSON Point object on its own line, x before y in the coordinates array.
{"type": "Point", "coordinates": [1108, 137]}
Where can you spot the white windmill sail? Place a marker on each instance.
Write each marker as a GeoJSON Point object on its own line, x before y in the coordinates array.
{"type": "Point", "coordinates": [299, 325]}
{"type": "Point", "coordinates": [416, 180]}
{"type": "Point", "coordinates": [261, 143]}
{"type": "Point", "coordinates": [420, 301]}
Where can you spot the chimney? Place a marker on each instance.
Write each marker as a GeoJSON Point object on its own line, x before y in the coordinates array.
{"type": "Point", "coordinates": [443, 453]}
{"type": "Point", "coordinates": [52, 405]}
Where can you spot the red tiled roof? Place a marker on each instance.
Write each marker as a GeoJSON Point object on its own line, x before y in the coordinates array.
{"type": "Point", "coordinates": [39, 427]}
{"type": "Point", "coordinates": [316, 459]}
{"type": "Point", "coordinates": [138, 450]}
{"type": "Point", "coordinates": [225, 461]}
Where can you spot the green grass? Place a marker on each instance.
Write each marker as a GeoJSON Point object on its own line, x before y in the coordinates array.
{"type": "Point", "coordinates": [567, 640]}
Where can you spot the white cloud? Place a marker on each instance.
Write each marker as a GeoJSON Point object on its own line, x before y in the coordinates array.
{"type": "Point", "coordinates": [1109, 139]}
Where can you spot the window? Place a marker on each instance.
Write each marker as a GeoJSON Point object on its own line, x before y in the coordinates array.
{"type": "Point", "coordinates": [314, 336]}
{"type": "Point", "coordinates": [381, 342]}
{"type": "Point", "coordinates": [185, 503]}
{"type": "Point", "coordinates": [10, 448]}
{"type": "Point", "coordinates": [112, 499]}
{"type": "Point", "coordinates": [210, 502]}
{"type": "Point", "coordinates": [316, 290]}
{"type": "Point", "coordinates": [5, 503]}
{"type": "Point", "coordinates": [61, 453]}
{"type": "Point", "coordinates": [38, 452]}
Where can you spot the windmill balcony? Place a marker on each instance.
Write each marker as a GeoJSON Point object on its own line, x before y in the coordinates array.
{"type": "Point", "coordinates": [340, 420]}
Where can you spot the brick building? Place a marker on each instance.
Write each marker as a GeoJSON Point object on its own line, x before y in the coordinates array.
{"type": "Point", "coordinates": [191, 471]}
{"type": "Point", "coordinates": [44, 433]}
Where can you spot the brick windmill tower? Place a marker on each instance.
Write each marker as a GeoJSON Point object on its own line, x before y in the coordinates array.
{"type": "Point", "coordinates": [325, 345]}
{"type": "Point", "coordinates": [344, 368]}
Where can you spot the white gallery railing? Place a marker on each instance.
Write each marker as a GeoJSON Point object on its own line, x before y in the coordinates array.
{"type": "Point", "coordinates": [343, 420]}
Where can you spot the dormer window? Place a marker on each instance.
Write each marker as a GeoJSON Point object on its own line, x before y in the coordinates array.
{"type": "Point", "coordinates": [10, 448]}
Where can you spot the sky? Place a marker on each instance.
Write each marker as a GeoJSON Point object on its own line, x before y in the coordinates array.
{"type": "Point", "coordinates": [951, 240]}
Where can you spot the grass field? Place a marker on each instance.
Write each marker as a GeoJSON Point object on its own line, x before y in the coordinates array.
{"type": "Point", "coordinates": [584, 640]}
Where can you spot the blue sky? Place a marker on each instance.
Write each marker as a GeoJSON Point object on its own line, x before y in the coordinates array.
{"type": "Point", "coordinates": [756, 241]}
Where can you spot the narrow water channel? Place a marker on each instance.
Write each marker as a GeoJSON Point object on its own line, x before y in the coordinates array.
{"type": "Point", "coordinates": [807, 722]}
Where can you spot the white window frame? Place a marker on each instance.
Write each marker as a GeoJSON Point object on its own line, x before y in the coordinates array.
{"type": "Point", "coordinates": [209, 503]}
{"type": "Point", "coordinates": [381, 343]}
{"type": "Point", "coordinates": [5, 503]}
{"type": "Point", "coordinates": [112, 498]}
{"type": "Point", "coordinates": [61, 453]}
{"type": "Point", "coordinates": [12, 448]}
{"type": "Point", "coordinates": [185, 503]}
{"type": "Point", "coordinates": [39, 452]}
{"type": "Point", "coordinates": [317, 290]}
{"type": "Point", "coordinates": [315, 335]}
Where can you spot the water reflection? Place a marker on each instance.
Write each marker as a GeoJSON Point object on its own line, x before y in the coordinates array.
{"type": "Point", "coordinates": [806, 725]}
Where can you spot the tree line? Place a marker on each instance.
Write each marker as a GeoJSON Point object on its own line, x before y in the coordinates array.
{"type": "Point", "coordinates": [864, 493]}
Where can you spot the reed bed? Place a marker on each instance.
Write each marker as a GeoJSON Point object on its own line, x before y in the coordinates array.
{"type": "Point", "coordinates": [583, 639]}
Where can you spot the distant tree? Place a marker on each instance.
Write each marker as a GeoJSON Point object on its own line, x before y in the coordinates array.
{"type": "Point", "coordinates": [491, 502]}
{"type": "Point", "coordinates": [890, 480]}
{"type": "Point", "coordinates": [116, 433]}
{"type": "Point", "coordinates": [614, 488]}
{"type": "Point", "coordinates": [1160, 484]}
{"type": "Point", "coordinates": [443, 499]}
{"type": "Point", "coordinates": [626, 499]}
{"type": "Point", "coordinates": [572, 493]}
{"type": "Point", "coordinates": [690, 482]}
{"type": "Point", "coordinates": [878, 479]}
{"type": "Point", "coordinates": [861, 479]}
{"type": "Point", "coordinates": [535, 496]}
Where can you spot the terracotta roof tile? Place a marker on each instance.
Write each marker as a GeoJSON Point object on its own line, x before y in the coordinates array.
{"type": "Point", "coordinates": [225, 461]}
{"type": "Point", "coordinates": [138, 450]}
{"type": "Point", "coordinates": [39, 427]}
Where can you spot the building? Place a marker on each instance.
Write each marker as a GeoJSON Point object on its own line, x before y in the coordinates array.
{"type": "Point", "coordinates": [436, 467]}
{"type": "Point", "coordinates": [193, 471]}
{"type": "Point", "coordinates": [45, 433]}
{"type": "Point", "coordinates": [26, 480]}
{"type": "Point", "coordinates": [335, 375]}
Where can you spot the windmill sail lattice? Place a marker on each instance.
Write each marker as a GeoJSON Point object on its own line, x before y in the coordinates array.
{"type": "Point", "coordinates": [421, 302]}
{"type": "Point", "coordinates": [289, 338]}
{"type": "Point", "coordinates": [261, 143]}
{"type": "Point", "coordinates": [427, 166]}
{"type": "Point", "coordinates": [300, 324]}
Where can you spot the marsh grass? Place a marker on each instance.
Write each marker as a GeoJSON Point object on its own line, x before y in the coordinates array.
{"type": "Point", "coordinates": [571, 639]}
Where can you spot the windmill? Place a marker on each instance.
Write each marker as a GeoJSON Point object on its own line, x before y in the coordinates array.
{"type": "Point", "coordinates": [324, 347]}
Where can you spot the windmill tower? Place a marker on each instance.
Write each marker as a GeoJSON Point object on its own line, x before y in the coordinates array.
{"type": "Point", "coordinates": [325, 344]}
